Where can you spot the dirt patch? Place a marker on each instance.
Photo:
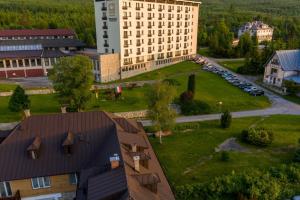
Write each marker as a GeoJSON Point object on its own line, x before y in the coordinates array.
{"type": "Point", "coordinates": [231, 145]}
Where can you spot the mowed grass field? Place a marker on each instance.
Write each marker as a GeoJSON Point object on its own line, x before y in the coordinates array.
{"type": "Point", "coordinates": [232, 65]}
{"type": "Point", "coordinates": [189, 156]}
{"type": "Point", "coordinates": [210, 88]}
{"type": "Point", "coordinates": [6, 87]}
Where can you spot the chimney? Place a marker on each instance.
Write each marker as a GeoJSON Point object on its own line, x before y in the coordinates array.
{"type": "Point", "coordinates": [134, 147]}
{"type": "Point", "coordinates": [68, 143]}
{"type": "Point", "coordinates": [27, 113]}
{"type": "Point", "coordinates": [136, 160]}
{"type": "Point", "coordinates": [114, 161]}
{"type": "Point", "coordinates": [63, 109]}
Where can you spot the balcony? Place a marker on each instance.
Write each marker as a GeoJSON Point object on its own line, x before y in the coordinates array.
{"type": "Point", "coordinates": [169, 18]}
{"type": "Point", "coordinates": [149, 35]}
{"type": "Point", "coordinates": [159, 50]}
{"type": "Point", "coordinates": [138, 26]}
{"type": "Point", "coordinates": [178, 26]}
{"type": "Point", "coordinates": [177, 33]}
{"type": "Point", "coordinates": [177, 47]}
{"type": "Point", "coordinates": [150, 58]}
{"type": "Point", "coordinates": [126, 55]}
{"type": "Point", "coordinates": [160, 9]}
{"type": "Point", "coordinates": [178, 18]}
{"type": "Point", "coordinates": [125, 17]}
{"type": "Point", "coordinates": [149, 26]}
{"type": "Point", "coordinates": [104, 8]}
{"type": "Point", "coordinates": [125, 27]}
{"type": "Point", "coordinates": [139, 60]}
{"type": "Point", "coordinates": [124, 7]}
{"type": "Point", "coordinates": [169, 33]}
{"type": "Point", "coordinates": [161, 57]}
{"type": "Point", "coordinates": [105, 36]}
{"type": "Point", "coordinates": [138, 17]}
{"type": "Point", "coordinates": [159, 34]}
{"type": "Point", "coordinates": [159, 42]}
{"type": "Point", "coordinates": [159, 18]}
{"type": "Point", "coordinates": [125, 36]}
{"type": "Point", "coordinates": [138, 53]}
{"type": "Point", "coordinates": [150, 43]}
{"type": "Point", "coordinates": [169, 41]}
{"type": "Point", "coordinates": [149, 9]}
{"type": "Point", "coordinates": [127, 62]}
{"type": "Point", "coordinates": [186, 11]}
{"type": "Point", "coordinates": [149, 18]}
{"type": "Point", "coordinates": [138, 35]}
{"type": "Point", "coordinates": [169, 49]}
{"type": "Point", "coordinates": [177, 54]}
{"type": "Point", "coordinates": [178, 10]}
{"type": "Point", "coordinates": [104, 18]}
{"type": "Point", "coordinates": [160, 26]}
{"type": "Point", "coordinates": [185, 32]}
{"type": "Point", "coordinates": [149, 51]}
{"type": "Point", "coordinates": [138, 8]}
{"type": "Point", "coordinates": [104, 27]}
{"type": "Point", "coordinates": [177, 40]}
{"type": "Point", "coordinates": [138, 44]}
{"type": "Point", "coordinates": [126, 45]}
{"type": "Point", "coordinates": [186, 18]}
{"type": "Point", "coordinates": [169, 10]}
{"type": "Point", "coordinates": [169, 26]}
{"type": "Point", "coordinates": [106, 45]}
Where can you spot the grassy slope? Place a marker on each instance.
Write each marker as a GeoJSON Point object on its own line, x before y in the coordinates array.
{"type": "Point", "coordinates": [232, 65]}
{"type": "Point", "coordinates": [210, 88]}
{"type": "Point", "coordinates": [6, 87]}
{"type": "Point", "coordinates": [189, 157]}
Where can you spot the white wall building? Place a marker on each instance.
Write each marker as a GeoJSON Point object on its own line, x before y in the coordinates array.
{"type": "Point", "coordinates": [140, 36]}
{"type": "Point", "coordinates": [262, 31]}
{"type": "Point", "coordinates": [283, 65]}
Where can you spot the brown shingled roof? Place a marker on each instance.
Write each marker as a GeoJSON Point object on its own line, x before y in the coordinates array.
{"type": "Point", "coordinates": [37, 32]}
{"type": "Point", "coordinates": [96, 137]}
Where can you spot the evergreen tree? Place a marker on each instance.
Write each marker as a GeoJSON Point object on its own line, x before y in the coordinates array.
{"type": "Point", "coordinates": [19, 100]}
{"type": "Point", "coordinates": [192, 84]}
{"type": "Point", "coordinates": [226, 119]}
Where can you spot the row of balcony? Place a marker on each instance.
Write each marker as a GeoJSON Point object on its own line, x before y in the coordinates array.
{"type": "Point", "coordinates": [160, 9]}
{"type": "Point", "coordinates": [149, 18]}
{"type": "Point", "coordinates": [151, 51]}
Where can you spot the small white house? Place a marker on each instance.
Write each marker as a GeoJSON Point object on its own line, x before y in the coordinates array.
{"type": "Point", "coordinates": [283, 65]}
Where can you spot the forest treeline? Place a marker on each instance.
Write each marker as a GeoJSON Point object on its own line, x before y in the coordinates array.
{"type": "Point", "coordinates": [79, 15]}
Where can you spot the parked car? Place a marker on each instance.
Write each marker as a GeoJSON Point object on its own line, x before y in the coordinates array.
{"type": "Point", "coordinates": [257, 93]}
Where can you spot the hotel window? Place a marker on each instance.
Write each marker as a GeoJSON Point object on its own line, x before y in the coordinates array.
{"type": "Point", "coordinates": [21, 63]}
{"type": "Point", "coordinates": [27, 63]}
{"type": "Point", "coordinates": [73, 179]}
{"type": "Point", "coordinates": [39, 62]}
{"type": "Point", "coordinates": [32, 61]}
{"type": "Point", "coordinates": [40, 182]}
{"type": "Point", "coordinates": [14, 63]}
{"type": "Point", "coordinates": [5, 190]}
{"type": "Point", "coordinates": [1, 64]}
{"type": "Point", "coordinates": [47, 63]}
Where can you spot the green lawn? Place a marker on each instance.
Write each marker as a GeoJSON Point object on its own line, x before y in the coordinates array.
{"type": "Point", "coordinates": [44, 104]}
{"type": "Point", "coordinates": [189, 156]}
{"type": "Point", "coordinates": [204, 51]}
{"type": "Point", "coordinates": [232, 65]}
{"type": "Point", "coordinates": [6, 87]}
{"type": "Point", "coordinates": [209, 88]}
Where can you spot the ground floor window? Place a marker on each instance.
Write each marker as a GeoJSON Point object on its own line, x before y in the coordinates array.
{"type": "Point", "coordinates": [40, 182]}
{"type": "Point", "coordinates": [5, 190]}
{"type": "Point", "coordinates": [73, 179]}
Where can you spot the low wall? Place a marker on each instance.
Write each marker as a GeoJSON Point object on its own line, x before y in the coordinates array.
{"type": "Point", "coordinates": [29, 92]}
{"type": "Point", "coordinates": [133, 114]}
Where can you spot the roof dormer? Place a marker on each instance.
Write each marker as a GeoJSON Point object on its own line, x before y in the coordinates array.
{"type": "Point", "coordinates": [34, 149]}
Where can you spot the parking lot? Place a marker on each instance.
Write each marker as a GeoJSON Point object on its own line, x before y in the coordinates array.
{"type": "Point", "coordinates": [229, 77]}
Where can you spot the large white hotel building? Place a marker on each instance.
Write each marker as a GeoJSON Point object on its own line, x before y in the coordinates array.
{"type": "Point", "coordinates": [134, 36]}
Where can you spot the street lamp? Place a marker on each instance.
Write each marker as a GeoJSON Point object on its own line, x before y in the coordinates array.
{"type": "Point", "coordinates": [220, 103]}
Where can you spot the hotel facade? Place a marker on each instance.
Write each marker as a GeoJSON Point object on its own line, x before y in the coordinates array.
{"type": "Point", "coordinates": [134, 37]}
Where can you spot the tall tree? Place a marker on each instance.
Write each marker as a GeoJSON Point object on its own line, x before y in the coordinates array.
{"type": "Point", "coordinates": [72, 80]}
{"type": "Point", "coordinates": [19, 100]}
{"type": "Point", "coordinates": [192, 84]}
{"type": "Point", "coordinates": [160, 96]}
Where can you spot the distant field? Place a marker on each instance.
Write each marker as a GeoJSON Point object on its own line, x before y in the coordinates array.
{"type": "Point", "coordinates": [189, 156]}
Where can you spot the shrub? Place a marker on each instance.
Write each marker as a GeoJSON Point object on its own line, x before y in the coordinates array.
{"type": "Point", "coordinates": [192, 83]}
{"type": "Point", "coordinates": [172, 82]}
{"type": "Point", "coordinates": [195, 107]}
{"type": "Point", "coordinates": [258, 136]}
{"type": "Point", "coordinates": [297, 156]}
{"type": "Point", "coordinates": [19, 100]}
{"type": "Point", "coordinates": [225, 156]}
{"type": "Point", "coordinates": [226, 119]}
{"type": "Point", "coordinates": [186, 97]}
{"type": "Point", "coordinates": [292, 87]}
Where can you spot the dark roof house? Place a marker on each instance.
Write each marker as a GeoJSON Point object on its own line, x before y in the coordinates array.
{"type": "Point", "coordinates": [111, 155]}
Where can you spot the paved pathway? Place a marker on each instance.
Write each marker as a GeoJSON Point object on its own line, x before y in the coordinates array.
{"type": "Point", "coordinates": [279, 106]}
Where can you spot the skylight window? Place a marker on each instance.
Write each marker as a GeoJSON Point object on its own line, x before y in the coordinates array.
{"type": "Point", "coordinates": [21, 47]}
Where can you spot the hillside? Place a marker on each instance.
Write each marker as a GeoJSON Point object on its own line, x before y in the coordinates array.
{"type": "Point", "coordinates": [79, 14]}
